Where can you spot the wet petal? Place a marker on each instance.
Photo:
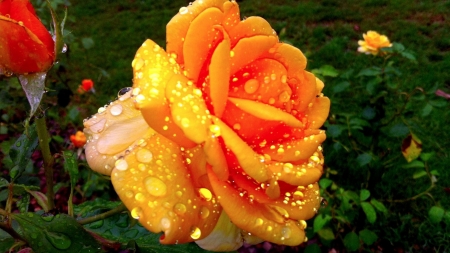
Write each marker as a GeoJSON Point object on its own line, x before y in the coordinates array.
{"type": "Point", "coordinates": [318, 112]}
{"type": "Point", "coordinates": [158, 190]}
{"type": "Point", "coordinates": [252, 216]}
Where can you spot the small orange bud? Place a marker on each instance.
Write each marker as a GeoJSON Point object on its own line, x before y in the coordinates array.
{"type": "Point", "coordinates": [78, 139]}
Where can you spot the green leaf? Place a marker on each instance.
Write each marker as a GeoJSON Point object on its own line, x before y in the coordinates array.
{"type": "Point", "coordinates": [340, 87]}
{"type": "Point", "coordinates": [438, 103]}
{"type": "Point", "coordinates": [41, 199]}
{"type": "Point", "coordinates": [369, 211]}
{"type": "Point", "coordinates": [21, 151]}
{"type": "Point", "coordinates": [414, 164]}
{"type": "Point", "coordinates": [426, 110]}
{"type": "Point", "coordinates": [435, 214]}
{"type": "Point", "coordinates": [93, 205]}
{"type": "Point", "coordinates": [419, 174]}
{"type": "Point", "coordinates": [408, 56]}
{"type": "Point", "coordinates": [367, 236]}
{"type": "Point", "coordinates": [379, 206]}
{"type": "Point", "coordinates": [351, 241]}
{"type": "Point", "coordinates": [33, 85]}
{"type": "Point", "coordinates": [6, 241]}
{"type": "Point", "coordinates": [372, 84]}
{"type": "Point", "coordinates": [87, 42]}
{"type": "Point", "coordinates": [312, 248]}
{"type": "Point", "coordinates": [398, 47]}
{"type": "Point", "coordinates": [334, 130]}
{"type": "Point", "coordinates": [71, 165]}
{"type": "Point", "coordinates": [3, 182]}
{"type": "Point", "coordinates": [426, 156]}
{"type": "Point", "coordinates": [399, 130]}
{"type": "Point", "coordinates": [325, 182]}
{"type": "Point", "coordinates": [23, 203]}
{"type": "Point", "coordinates": [320, 221]}
{"type": "Point", "coordinates": [326, 234]}
{"type": "Point", "coordinates": [364, 159]}
{"type": "Point", "coordinates": [372, 71]}
{"type": "Point", "coordinates": [59, 233]}
{"type": "Point", "coordinates": [364, 194]}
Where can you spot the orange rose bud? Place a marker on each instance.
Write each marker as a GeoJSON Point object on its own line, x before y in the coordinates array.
{"type": "Point", "coordinates": [87, 84]}
{"type": "Point", "coordinates": [78, 139]}
{"type": "Point", "coordinates": [25, 44]}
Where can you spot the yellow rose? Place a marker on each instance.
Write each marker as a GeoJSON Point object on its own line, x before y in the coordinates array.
{"type": "Point", "coordinates": [372, 43]}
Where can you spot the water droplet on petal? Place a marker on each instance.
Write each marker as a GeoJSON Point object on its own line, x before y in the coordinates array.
{"type": "Point", "coordinates": [259, 222]}
{"type": "Point", "coordinates": [251, 86]}
{"type": "Point", "coordinates": [286, 232]}
{"type": "Point", "coordinates": [205, 193]}
{"type": "Point", "coordinates": [183, 10]}
{"type": "Point", "coordinates": [179, 209]}
{"type": "Point", "coordinates": [144, 155]}
{"type": "Point", "coordinates": [123, 91]}
{"type": "Point", "coordinates": [155, 186]}
{"type": "Point", "coordinates": [204, 212]}
{"type": "Point", "coordinates": [139, 197]}
{"type": "Point", "coordinates": [165, 223]}
{"type": "Point", "coordinates": [195, 233]}
{"type": "Point", "coordinates": [121, 164]}
{"type": "Point", "coordinates": [136, 212]}
{"type": "Point", "coordinates": [116, 109]}
{"type": "Point", "coordinates": [284, 96]}
{"type": "Point", "coordinates": [185, 122]}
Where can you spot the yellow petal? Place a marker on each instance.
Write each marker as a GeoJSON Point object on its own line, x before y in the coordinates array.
{"type": "Point", "coordinates": [153, 184]}
{"type": "Point", "coordinates": [317, 114]}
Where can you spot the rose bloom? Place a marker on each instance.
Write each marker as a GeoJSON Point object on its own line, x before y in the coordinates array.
{"type": "Point", "coordinates": [25, 44]}
{"type": "Point", "coordinates": [221, 126]}
{"type": "Point", "coordinates": [372, 43]}
{"type": "Point", "coordinates": [78, 139]}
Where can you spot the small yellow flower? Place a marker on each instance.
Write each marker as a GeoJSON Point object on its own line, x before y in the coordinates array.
{"type": "Point", "coordinates": [372, 43]}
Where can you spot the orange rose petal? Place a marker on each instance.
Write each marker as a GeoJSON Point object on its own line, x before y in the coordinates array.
{"type": "Point", "coordinates": [178, 26]}
{"type": "Point", "coordinates": [295, 150]}
{"type": "Point", "coordinates": [248, 159]}
{"type": "Point", "coordinates": [251, 217]}
{"type": "Point", "coordinates": [296, 174]}
{"type": "Point", "coordinates": [188, 108]}
{"type": "Point", "coordinates": [263, 80]}
{"type": "Point", "coordinates": [291, 57]}
{"type": "Point", "coordinates": [219, 73]}
{"type": "Point", "coordinates": [248, 49]}
{"type": "Point", "coordinates": [319, 86]}
{"type": "Point", "coordinates": [250, 27]}
{"type": "Point", "coordinates": [153, 68]}
{"type": "Point", "coordinates": [154, 186]}
{"type": "Point", "coordinates": [304, 89]}
{"type": "Point", "coordinates": [231, 15]}
{"type": "Point", "coordinates": [318, 112]}
{"type": "Point", "coordinates": [200, 39]}
{"type": "Point", "coordinates": [266, 112]}
{"type": "Point", "coordinates": [301, 204]}
{"type": "Point", "coordinates": [195, 160]}
{"type": "Point", "coordinates": [216, 158]}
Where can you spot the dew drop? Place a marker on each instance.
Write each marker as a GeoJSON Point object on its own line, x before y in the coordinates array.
{"type": "Point", "coordinates": [139, 197]}
{"type": "Point", "coordinates": [195, 233]}
{"type": "Point", "coordinates": [116, 110]}
{"type": "Point", "coordinates": [183, 10]}
{"type": "Point", "coordinates": [165, 223]}
{"type": "Point", "coordinates": [215, 129]}
{"type": "Point", "coordinates": [64, 48]}
{"type": "Point", "coordinates": [179, 194]}
{"type": "Point", "coordinates": [269, 228]}
{"type": "Point", "coordinates": [121, 164]}
{"type": "Point", "coordinates": [58, 240]}
{"type": "Point", "coordinates": [284, 96]}
{"type": "Point", "coordinates": [251, 86]}
{"type": "Point", "coordinates": [204, 212]}
{"type": "Point", "coordinates": [272, 101]}
{"type": "Point", "coordinates": [237, 126]}
{"type": "Point", "coordinates": [98, 127]}
{"type": "Point", "coordinates": [205, 193]}
{"type": "Point", "coordinates": [179, 209]}
{"type": "Point", "coordinates": [286, 232]}
{"type": "Point", "coordinates": [155, 186]}
{"type": "Point", "coordinates": [185, 122]}
{"type": "Point", "coordinates": [303, 224]}
{"type": "Point", "coordinates": [129, 194]}
{"type": "Point", "coordinates": [259, 222]}
{"type": "Point", "coordinates": [138, 63]}
{"type": "Point", "coordinates": [136, 212]}
{"type": "Point", "coordinates": [123, 91]}
{"type": "Point", "coordinates": [324, 202]}
{"type": "Point", "coordinates": [144, 155]}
